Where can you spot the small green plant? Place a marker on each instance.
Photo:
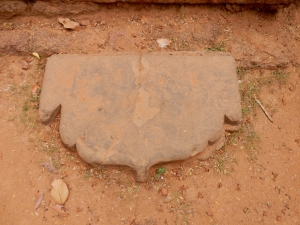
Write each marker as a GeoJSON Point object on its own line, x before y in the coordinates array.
{"type": "Point", "coordinates": [160, 172]}
{"type": "Point", "coordinates": [280, 76]}
{"type": "Point", "coordinates": [244, 111]}
{"type": "Point", "coordinates": [35, 97]}
{"type": "Point", "coordinates": [220, 166]}
{"type": "Point", "coordinates": [25, 108]}
{"type": "Point", "coordinates": [56, 163]}
{"type": "Point", "coordinates": [219, 46]}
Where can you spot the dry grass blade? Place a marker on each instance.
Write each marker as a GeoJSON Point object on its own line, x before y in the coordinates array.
{"type": "Point", "coordinates": [59, 191]}
{"type": "Point", "coordinates": [263, 109]}
{"type": "Point", "coordinates": [38, 201]}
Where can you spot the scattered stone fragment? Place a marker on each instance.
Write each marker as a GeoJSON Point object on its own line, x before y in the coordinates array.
{"type": "Point", "coordinates": [49, 166]}
{"type": "Point", "coordinates": [84, 22]}
{"type": "Point", "coordinates": [163, 42]}
{"type": "Point", "coordinates": [34, 89]}
{"type": "Point", "coordinates": [25, 65]}
{"type": "Point", "coordinates": [164, 191]}
{"type": "Point", "coordinates": [68, 24]}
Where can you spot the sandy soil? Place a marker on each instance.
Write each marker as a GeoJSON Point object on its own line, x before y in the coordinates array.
{"type": "Point", "coordinates": [254, 179]}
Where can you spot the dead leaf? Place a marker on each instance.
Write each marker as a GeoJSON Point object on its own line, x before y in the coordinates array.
{"type": "Point", "coordinates": [58, 208]}
{"type": "Point", "coordinates": [36, 55]}
{"type": "Point", "coordinates": [38, 201]}
{"type": "Point", "coordinates": [59, 191]}
{"type": "Point", "coordinates": [68, 24]}
{"type": "Point", "coordinates": [49, 166]}
{"type": "Point", "coordinates": [168, 199]}
{"type": "Point", "coordinates": [163, 42]}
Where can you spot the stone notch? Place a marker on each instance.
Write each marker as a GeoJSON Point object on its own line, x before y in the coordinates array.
{"type": "Point", "coordinates": [140, 110]}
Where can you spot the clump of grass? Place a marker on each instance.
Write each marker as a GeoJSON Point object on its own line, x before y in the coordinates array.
{"type": "Point", "coordinates": [246, 138]}
{"type": "Point", "coordinates": [223, 161]}
{"type": "Point", "coordinates": [48, 148]}
{"type": "Point", "coordinates": [56, 163]}
{"type": "Point", "coordinates": [219, 46]}
{"type": "Point", "coordinates": [280, 76]}
{"type": "Point", "coordinates": [27, 101]}
{"type": "Point", "coordinates": [181, 44]}
{"type": "Point", "coordinates": [241, 72]}
{"type": "Point", "coordinates": [94, 171]}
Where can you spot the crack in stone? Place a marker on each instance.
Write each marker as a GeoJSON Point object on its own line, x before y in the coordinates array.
{"type": "Point", "coordinates": [120, 134]}
{"type": "Point", "coordinates": [73, 86]}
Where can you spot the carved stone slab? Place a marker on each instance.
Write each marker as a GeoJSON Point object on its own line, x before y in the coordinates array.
{"type": "Point", "coordinates": [140, 110]}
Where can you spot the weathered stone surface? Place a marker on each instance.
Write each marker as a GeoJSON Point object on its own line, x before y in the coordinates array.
{"type": "Point", "coordinates": [269, 2]}
{"type": "Point", "coordinates": [9, 9]}
{"type": "Point", "coordinates": [14, 41]}
{"type": "Point", "coordinates": [187, 1]}
{"type": "Point", "coordinates": [64, 8]}
{"type": "Point", "coordinates": [140, 110]}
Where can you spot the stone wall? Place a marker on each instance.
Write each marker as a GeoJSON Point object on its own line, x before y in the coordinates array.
{"type": "Point", "coordinates": [270, 2]}
{"type": "Point", "coordinates": [49, 8]}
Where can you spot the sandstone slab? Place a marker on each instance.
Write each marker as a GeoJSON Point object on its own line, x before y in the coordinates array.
{"type": "Point", "coordinates": [140, 110]}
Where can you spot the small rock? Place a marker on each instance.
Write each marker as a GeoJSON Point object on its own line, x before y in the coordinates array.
{"type": "Point", "coordinates": [292, 87]}
{"type": "Point", "coordinates": [144, 19]}
{"type": "Point", "coordinates": [25, 65]}
{"type": "Point", "coordinates": [164, 191]}
{"type": "Point", "coordinates": [49, 166]}
{"type": "Point", "coordinates": [68, 24]}
{"type": "Point", "coordinates": [162, 42]}
{"type": "Point", "coordinates": [168, 199]}
{"type": "Point", "coordinates": [84, 22]}
{"type": "Point", "coordinates": [34, 89]}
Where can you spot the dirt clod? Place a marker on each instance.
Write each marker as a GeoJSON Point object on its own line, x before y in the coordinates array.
{"type": "Point", "coordinates": [164, 191]}
{"type": "Point", "coordinates": [25, 65]}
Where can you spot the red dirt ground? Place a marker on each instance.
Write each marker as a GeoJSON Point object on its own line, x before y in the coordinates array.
{"type": "Point", "coordinates": [254, 179]}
